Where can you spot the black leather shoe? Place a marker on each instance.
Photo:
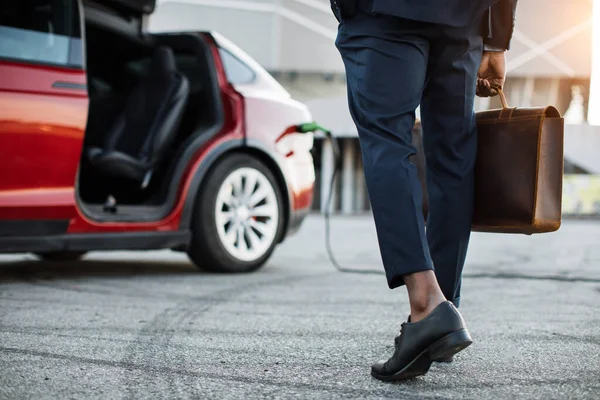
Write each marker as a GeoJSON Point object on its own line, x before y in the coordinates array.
{"type": "Point", "coordinates": [440, 360]}
{"type": "Point", "coordinates": [440, 335]}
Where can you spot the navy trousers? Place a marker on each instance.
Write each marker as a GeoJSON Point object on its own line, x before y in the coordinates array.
{"type": "Point", "coordinates": [393, 65]}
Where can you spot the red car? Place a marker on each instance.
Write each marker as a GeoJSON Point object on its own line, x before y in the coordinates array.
{"type": "Point", "coordinates": [112, 138]}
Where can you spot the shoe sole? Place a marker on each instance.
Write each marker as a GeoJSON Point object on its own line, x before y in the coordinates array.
{"type": "Point", "coordinates": [443, 348]}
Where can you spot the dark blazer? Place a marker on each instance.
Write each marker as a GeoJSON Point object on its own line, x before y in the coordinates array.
{"type": "Point", "coordinates": [500, 19]}
{"type": "Point", "coordinates": [497, 24]}
{"type": "Point", "coordinates": [447, 12]}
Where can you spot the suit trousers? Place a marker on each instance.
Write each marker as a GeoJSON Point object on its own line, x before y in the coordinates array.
{"type": "Point", "coordinates": [393, 65]}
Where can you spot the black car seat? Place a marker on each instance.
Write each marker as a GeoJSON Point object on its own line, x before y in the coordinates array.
{"type": "Point", "coordinates": [144, 130]}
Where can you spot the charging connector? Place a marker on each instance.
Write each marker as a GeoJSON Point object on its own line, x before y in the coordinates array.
{"type": "Point", "coordinates": [314, 127]}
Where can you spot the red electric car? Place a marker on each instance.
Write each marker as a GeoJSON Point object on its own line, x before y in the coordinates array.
{"type": "Point", "coordinates": [112, 138]}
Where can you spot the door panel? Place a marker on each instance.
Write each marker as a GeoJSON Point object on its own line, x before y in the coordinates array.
{"type": "Point", "coordinates": [43, 111]}
{"type": "Point", "coordinates": [41, 136]}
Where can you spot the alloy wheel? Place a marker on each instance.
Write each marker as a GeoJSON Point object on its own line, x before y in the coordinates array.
{"type": "Point", "coordinates": [247, 214]}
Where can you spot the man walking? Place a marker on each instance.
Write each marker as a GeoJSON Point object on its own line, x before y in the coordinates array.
{"type": "Point", "coordinates": [439, 54]}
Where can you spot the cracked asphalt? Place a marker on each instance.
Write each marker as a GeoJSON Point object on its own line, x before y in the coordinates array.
{"type": "Point", "coordinates": [148, 325]}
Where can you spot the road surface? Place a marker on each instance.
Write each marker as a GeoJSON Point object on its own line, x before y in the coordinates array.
{"type": "Point", "coordinates": [148, 325]}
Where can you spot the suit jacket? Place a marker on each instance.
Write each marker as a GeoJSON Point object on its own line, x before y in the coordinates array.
{"type": "Point", "coordinates": [500, 20]}
{"type": "Point", "coordinates": [457, 13]}
{"type": "Point", "coordinates": [497, 23]}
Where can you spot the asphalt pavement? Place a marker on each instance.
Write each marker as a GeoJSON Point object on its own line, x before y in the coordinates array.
{"type": "Point", "coordinates": [148, 325]}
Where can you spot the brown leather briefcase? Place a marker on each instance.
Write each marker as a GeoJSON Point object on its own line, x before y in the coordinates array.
{"type": "Point", "coordinates": [519, 170]}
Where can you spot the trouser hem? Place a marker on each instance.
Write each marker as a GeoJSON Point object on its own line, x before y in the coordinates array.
{"type": "Point", "coordinates": [456, 301]}
{"type": "Point", "coordinates": [397, 280]}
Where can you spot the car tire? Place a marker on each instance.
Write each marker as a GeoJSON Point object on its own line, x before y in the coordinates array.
{"type": "Point", "coordinates": [62, 256]}
{"type": "Point", "coordinates": [238, 217]}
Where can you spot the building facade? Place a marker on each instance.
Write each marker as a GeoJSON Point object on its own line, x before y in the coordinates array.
{"type": "Point", "coordinates": [550, 62]}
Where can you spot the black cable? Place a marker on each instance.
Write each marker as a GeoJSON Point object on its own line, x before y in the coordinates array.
{"type": "Point", "coordinates": [336, 169]}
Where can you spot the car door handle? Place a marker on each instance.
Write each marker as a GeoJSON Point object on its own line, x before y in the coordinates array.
{"type": "Point", "coordinates": [69, 85]}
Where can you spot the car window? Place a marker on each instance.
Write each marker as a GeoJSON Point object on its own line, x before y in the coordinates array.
{"type": "Point", "coordinates": [237, 72]}
{"type": "Point", "coordinates": [41, 31]}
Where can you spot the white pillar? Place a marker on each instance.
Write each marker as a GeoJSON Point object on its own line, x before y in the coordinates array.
{"type": "Point", "coordinates": [348, 171]}
{"type": "Point", "coordinates": [594, 101]}
{"type": "Point", "coordinates": [327, 164]}
{"type": "Point", "coordinates": [528, 92]}
{"type": "Point", "coordinates": [554, 92]}
{"type": "Point", "coordinates": [514, 97]}
{"type": "Point", "coordinates": [360, 186]}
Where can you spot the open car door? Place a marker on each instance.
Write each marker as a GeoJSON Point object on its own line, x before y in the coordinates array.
{"type": "Point", "coordinates": [43, 113]}
{"type": "Point", "coordinates": [133, 10]}
{"type": "Point", "coordinates": [138, 7]}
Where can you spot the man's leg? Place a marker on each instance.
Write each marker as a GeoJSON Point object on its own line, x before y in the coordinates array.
{"type": "Point", "coordinates": [385, 69]}
{"type": "Point", "coordinates": [386, 61]}
{"type": "Point", "coordinates": [450, 143]}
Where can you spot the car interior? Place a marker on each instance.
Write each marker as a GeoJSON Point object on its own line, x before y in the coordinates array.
{"type": "Point", "coordinates": [151, 98]}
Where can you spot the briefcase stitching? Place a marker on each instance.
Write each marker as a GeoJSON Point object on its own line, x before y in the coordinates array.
{"type": "Point", "coordinates": [500, 120]}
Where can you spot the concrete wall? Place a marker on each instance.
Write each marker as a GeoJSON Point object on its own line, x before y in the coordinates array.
{"type": "Point", "coordinates": [582, 146]}
{"type": "Point", "coordinates": [552, 37]}
{"type": "Point", "coordinates": [279, 34]}
{"type": "Point", "coordinates": [248, 30]}
{"type": "Point", "coordinates": [551, 51]}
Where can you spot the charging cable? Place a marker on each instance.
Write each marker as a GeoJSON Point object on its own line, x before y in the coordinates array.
{"type": "Point", "coordinates": [313, 127]}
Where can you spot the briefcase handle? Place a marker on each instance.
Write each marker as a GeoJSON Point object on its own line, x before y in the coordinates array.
{"type": "Point", "coordinates": [509, 112]}
{"type": "Point", "coordinates": [506, 111]}
{"type": "Point", "coordinates": [502, 98]}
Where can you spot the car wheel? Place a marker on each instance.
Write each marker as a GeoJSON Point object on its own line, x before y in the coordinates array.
{"type": "Point", "coordinates": [62, 256]}
{"type": "Point", "coordinates": [238, 217]}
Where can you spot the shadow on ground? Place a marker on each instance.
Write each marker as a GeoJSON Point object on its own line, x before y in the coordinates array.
{"type": "Point", "coordinates": [30, 268]}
